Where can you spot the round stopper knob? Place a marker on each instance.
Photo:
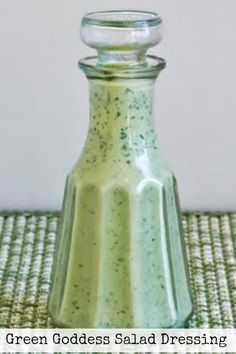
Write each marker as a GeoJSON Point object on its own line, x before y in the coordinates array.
{"type": "Point", "coordinates": [121, 31]}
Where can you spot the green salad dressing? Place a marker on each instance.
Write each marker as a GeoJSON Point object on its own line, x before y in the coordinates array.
{"type": "Point", "coordinates": [120, 259]}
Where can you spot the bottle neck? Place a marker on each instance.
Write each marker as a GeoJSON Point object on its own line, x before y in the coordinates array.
{"type": "Point", "coordinates": [121, 118]}
{"type": "Point", "coordinates": [128, 58]}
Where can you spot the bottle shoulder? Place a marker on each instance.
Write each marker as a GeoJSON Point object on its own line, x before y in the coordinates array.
{"type": "Point", "coordinates": [142, 169]}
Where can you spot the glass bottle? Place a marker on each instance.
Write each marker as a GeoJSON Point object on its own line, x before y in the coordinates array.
{"type": "Point", "coordinates": [120, 259]}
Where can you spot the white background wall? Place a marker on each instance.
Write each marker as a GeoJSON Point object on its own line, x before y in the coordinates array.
{"type": "Point", "coordinates": [44, 98]}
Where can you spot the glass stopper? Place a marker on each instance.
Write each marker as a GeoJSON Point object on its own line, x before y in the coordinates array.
{"type": "Point", "coordinates": [121, 37]}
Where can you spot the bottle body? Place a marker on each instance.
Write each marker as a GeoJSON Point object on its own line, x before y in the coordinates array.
{"type": "Point", "coordinates": [120, 258]}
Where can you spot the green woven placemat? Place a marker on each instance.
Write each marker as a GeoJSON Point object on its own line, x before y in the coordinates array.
{"type": "Point", "coordinates": [26, 255]}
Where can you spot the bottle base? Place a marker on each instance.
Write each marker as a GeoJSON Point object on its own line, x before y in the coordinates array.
{"type": "Point", "coordinates": [63, 324]}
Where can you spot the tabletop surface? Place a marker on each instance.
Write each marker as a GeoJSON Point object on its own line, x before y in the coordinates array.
{"type": "Point", "coordinates": [27, 242]}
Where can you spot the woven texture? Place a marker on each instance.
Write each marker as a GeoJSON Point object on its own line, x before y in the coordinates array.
{"type": "Point", "coordinates": [26, 254]}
